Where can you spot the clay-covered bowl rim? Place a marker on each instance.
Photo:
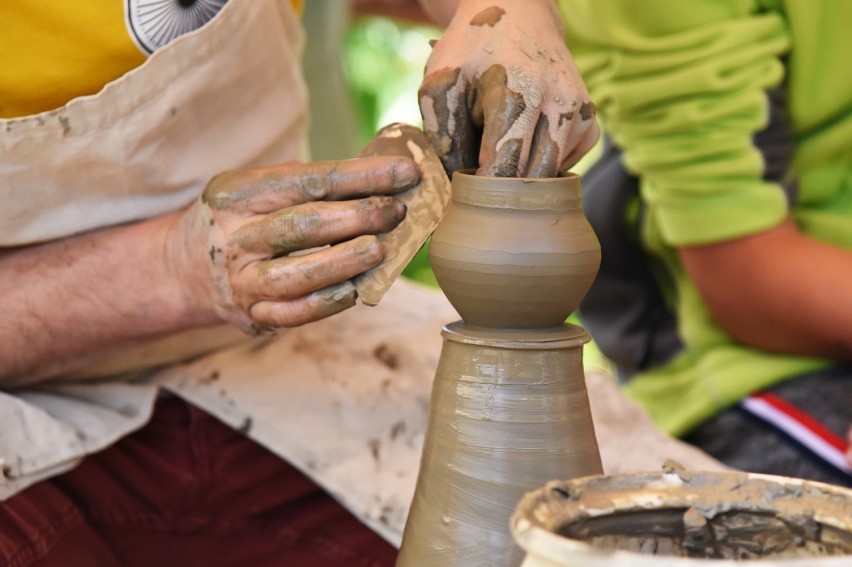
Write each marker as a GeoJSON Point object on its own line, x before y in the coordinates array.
{"type": "Point", "coordinates": [543, 513]}
{"type": "Point", "coordinates": [520, 193]}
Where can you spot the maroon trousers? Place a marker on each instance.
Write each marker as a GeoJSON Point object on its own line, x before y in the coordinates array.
{"type": "Point", "coordinates": [184, 490]}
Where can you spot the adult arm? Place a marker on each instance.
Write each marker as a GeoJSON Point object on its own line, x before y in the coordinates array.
{"type": "Point", "coordinates": [227, 258]}
{"type": "Point", "coordinates": [778, 290]}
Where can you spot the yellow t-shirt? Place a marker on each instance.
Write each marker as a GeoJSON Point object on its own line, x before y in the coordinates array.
{"type": "Point", "coordinates": [52, 51]}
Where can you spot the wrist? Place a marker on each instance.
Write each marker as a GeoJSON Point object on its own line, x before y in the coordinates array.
{"type": "Point", "coordinates": [184, 279]}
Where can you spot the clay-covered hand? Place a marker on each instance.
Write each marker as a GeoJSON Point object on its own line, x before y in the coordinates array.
{"type": "Point", "coordinates": [276, 247]}
{"type": "Point", "coordinates": [502, 93]}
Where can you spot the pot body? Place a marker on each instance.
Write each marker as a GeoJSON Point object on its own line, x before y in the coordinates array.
{"type": "Point", "coordinates": [515, 253]}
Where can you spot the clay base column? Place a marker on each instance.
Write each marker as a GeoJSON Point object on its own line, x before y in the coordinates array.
{"type": "Point", "coordinates": [509, 412]}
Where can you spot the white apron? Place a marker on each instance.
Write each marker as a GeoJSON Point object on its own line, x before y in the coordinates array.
{"type": "Point", "coordinates": [344, 399]}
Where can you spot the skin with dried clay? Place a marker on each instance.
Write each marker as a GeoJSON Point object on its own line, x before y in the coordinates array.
{"type": "Point", "coordinates": [501, 92]}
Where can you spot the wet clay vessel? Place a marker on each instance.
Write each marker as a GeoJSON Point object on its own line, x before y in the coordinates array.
{"type": "Point", "coordinates": [509, 408]}
{"type": "Point", "coordinates": [515, 252]}
{"type": "Point", "coordinates": [681, 518]}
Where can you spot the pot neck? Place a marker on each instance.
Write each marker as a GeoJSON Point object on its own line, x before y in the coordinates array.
{"type": "Point", "coordinates": [532, 194]}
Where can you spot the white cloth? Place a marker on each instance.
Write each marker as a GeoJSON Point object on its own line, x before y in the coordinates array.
{"type": "Point", "coordinates": [227, 95]}
{"type": "Point", "coordinates": [344, 399]}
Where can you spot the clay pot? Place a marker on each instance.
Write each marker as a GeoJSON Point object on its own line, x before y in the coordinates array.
{"type": "Point", "coordinates": [515, 252]}
{"type": "Point", "coordinates": [685, 519]}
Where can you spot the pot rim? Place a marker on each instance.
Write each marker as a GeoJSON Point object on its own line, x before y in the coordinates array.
{"type": "Point", "coordinates": [520, 193]}
{"type": "Point", "coordinates": [541, 512]}
{"type": "Point", "coordinates": [539, 543]}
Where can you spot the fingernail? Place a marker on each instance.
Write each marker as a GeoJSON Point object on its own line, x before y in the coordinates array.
{"type": "Point", "coordinates": [400, 209]}
{"type": "Point", "coordinates": [404, 174]}
{"type": "Point", "coordinates": [364, 245]}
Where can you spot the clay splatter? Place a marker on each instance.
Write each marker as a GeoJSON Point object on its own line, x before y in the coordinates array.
{"type": "Point", "coordinates": [246, 425]}
{"type": "Point", "coordinates": [488, 17]}
{"type": "Point", "coordinates": [386, 356]}
{"type": "Point", "coordinates": [544, 154]}
{"type": "Point", "coordinates": [504, 106]}
{"type": "Point", "coordinates": [214, 251]}
{"type": "Point", "coordinates": [565, 117]}
{"type": "Point", "coordinates": [447, 121]}
{"type": "Point", "coordinates": [375, 447]}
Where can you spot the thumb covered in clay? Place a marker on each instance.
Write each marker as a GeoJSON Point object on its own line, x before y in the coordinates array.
{"type": "Point", "coordinates": [502, 94]}
{"type": "Point", "coordinates": [273, 247]}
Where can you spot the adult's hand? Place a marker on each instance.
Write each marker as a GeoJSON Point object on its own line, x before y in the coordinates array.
{"type": "Point", "coordinates": [276, 247]}
{"type": "Point", "coordinates": [502, 93]}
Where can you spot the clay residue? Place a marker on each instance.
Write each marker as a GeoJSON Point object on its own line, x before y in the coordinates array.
{"type": "Point", "coordinates": [587, 111]}
{"type": "Point", "coordinates": [447, 121]}
{"type": "Point", "coordinates": [343, 294]}
{"type": "Point", "coordinates": [565, 117]}
{"type": "Point", "coordinates": [386, 356]}
{"type": "Point", "coordinates": [544, 154]}
{"type": "Point", "coordinates": [498, 108]}
{"type": "Point", "coordinates": [733, 535]}
{"type": "Point", "coordinates": [246, 426]}
{"type": "Point", "coordinates": [707, 515]}
{"type": "Point", "coordinates": [284, 232]}
{"type": "Point", "coordinates": [375, 447]}
{"type": "Point", "coordinates": [488, 17]}
{"type": "Point", "coordinates": [507, 160]}
{"type": "Point", "coordinates": [66, 124]}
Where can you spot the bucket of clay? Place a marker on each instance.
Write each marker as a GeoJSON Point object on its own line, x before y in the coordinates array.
{"type": "Point", "coordinates": [680, 518]}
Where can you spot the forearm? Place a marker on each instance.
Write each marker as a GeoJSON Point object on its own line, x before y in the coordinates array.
{"type": "Point", "coordinates": [71, 302]}
{"type": "Point", "coordinates": [442, 11]}
{"type": "Point", "coordinates": [779, 291]}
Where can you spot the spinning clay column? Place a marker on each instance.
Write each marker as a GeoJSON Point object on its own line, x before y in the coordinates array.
{"type": "Point", "coordinates": [509, 407]}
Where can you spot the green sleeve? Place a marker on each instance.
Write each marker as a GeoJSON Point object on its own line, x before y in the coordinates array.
{"type": "Point", "coordinates": [681, 86]}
